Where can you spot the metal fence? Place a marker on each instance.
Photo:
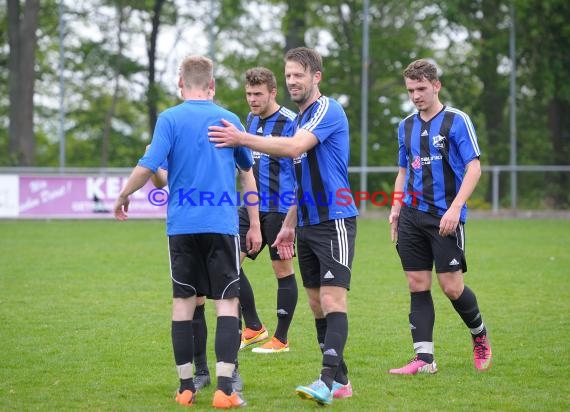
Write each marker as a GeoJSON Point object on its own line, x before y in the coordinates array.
{"type": "Point", "coordinates": [495, 172]}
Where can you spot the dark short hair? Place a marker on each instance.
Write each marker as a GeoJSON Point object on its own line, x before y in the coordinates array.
{"type": "Point", "coordinates": [421, 69]}
{"type": "Point", "coordinates": [260, 75]}
{"type": "Point", "coordinates": [308, 58]}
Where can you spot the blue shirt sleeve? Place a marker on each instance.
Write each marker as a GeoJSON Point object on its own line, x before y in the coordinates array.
{"type": "Point", "coordinates": [160, 146]}
{"type": "Point", "coordinates": [243, 157]}
{"type": "Point", "coordinates": [289, 129]}
{"type": "Point", "coordinates": [328, 117]}
{"type": "Point", "coordinates": [402, 153]}
{"type": "Point", "coordinates": [465, 138]}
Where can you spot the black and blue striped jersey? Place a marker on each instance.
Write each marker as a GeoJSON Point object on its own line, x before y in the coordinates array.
{"type": "Point", "coordinates": [435, 154]}
{"type": "Point", "coordinates": [322, 172]}
{"type": "Point", "coordinates": [274, 175]}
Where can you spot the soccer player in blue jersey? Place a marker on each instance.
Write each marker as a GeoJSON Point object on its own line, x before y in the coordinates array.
{"type": "Point", "coordinates": [252, 243]}
{"type": "Point", "coordinates": [439, 162]}
{"type": "Point", "coordinates": [273, 176]}
{"type": "Point", "coordinates": [326, 228]}
{"type": "Point", "coordinates": [203, 238]}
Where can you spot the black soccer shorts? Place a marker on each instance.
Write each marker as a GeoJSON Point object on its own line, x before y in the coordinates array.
{"type": "Point", "coordinates": [420, 244]}
{"type": "Point", "coordinates": [325, 252]}
{"type": "Point", "coordinates": [204, 264]}
{"type": "Point", "coordinates": [270, 223]}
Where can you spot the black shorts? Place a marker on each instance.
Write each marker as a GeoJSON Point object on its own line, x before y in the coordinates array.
{"type": "Point", "coordinates": [204, 264]}
{"type": "Point", "coordinates": [325, 252]}
{"type": "Point", "coordinates": [270, 223]}
{"type": "Point", "coordinates": [420, 244]}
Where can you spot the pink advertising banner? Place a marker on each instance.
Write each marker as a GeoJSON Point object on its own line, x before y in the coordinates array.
{"type": "Point", "coordinates": [80, 197]}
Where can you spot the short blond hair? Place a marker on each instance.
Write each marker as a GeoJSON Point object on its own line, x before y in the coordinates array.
{"type": "Point", "coordinates": [197, 72]}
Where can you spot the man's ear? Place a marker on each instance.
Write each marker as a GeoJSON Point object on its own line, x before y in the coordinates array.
{"type": "Point", "coordinates": [318, 77]}
{"type": "Point", "coordinates": [437, 86]}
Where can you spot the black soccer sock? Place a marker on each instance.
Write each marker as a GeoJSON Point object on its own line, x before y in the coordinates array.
{"type": "Point", "coordinates": [226, 343]}
{"type": "Point", "coordinates": [225, 385]}
{"type": "Point", "coordinates": [183, 348]}
{"type": "Point", "coordinates": [342, 371]}
{"type": "Point", "coordinates": [247, 303]}
{"type": "Point", "coordinates": [335, 339]}
{"type": "Point", "coordinates": [321, 326]}
{"type": "Point", "coordinates": [226, 347]}
{"type": "Point", "coordinates": [238, 337]}
{"type": "Point", "coordinates": [240, 322]}
{"type": "Point", "coordinates": [422, 320]}
{"type": "Point", "coordinates": [466, 306]}
{"type": "Point", "coordinates": [200, 341]}
{"type": "Point", "coordinates": [287, 295]}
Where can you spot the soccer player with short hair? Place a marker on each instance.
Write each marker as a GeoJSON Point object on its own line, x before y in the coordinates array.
{"type": "Point", "coordinates": [438, 160]}
{"type": "Point", "coordinates": [251, 239]}
{"type": "Point", "coordinates": [274, 177]}
{"type": "Point", "coordinates": [326, 230]}
{"type": "Point", "coordinates": [203, 239]}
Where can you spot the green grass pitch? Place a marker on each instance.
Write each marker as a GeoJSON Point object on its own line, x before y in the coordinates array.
{"type": "Point", "coordinates": [85, 323]}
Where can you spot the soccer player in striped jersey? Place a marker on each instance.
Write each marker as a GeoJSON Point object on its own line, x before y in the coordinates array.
{"type": "Point", "coordinates": [273, 176]}
{"type": "Point", "coordinates": [326, 227]}
{"type": "Point", "coordinates": [438, 170]}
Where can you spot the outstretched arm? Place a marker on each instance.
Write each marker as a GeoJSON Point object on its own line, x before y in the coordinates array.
{"type": "Point", "coordinates": [137, 179]}
{"type": "Point", "coordinates": [230, 136]}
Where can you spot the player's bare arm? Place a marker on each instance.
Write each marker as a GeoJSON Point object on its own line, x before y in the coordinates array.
{"type": "Point", "coordinates": [285, 240]}
{"type": "Point", "coordinates": [450, 219]}
{"type": "Point", "coordinates": [396, 206]}
{"type": "Point", "coordinates": [160, 178]}
{"type": "Point", "coordinates": [253, 236]}
{"type": "Point", "coordinates": [230, 136]}
{"type": "Point", "coordinates": [137, 179]}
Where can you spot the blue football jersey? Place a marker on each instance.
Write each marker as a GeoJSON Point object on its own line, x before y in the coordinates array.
{"type": "Point", "coordinates": [201, 177]}
{"type": "Point", "coordinates": [435, 154]}
{"type": "Point", "coordinates": [322, 172]}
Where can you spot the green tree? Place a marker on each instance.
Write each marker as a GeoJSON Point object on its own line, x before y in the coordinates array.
{"type": "Point", "coordinates": [479, 68]}
{"type": "Point", "coordinates": [22, 38]}
{"type": "Point", "coordinates": [152, 88]}
{"type": "Point", "coordinates": [114, 92]}
{"type": "Point", "coordinates": [396, 38]}
{"type": "Point", "coordinates": [115, 65]}
{"type": "Point", "coordinates": [471, 76]}
{"type": "Point", "coordinates": [105, 105]}
{"type": "Point", "coordinates": [246, 36]}
{"type": "Point", "coordinates": [4, 102]}
{"type": "Point", "coordinates": [543, 37]}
